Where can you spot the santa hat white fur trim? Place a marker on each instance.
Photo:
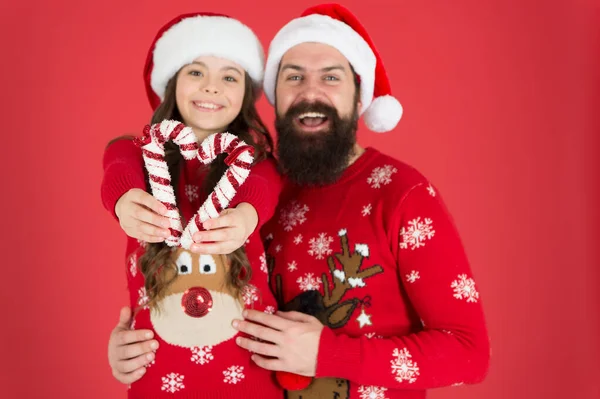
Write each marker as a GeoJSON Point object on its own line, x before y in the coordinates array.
{"type": "Point", "coordinates": [205, 35]}
{"type": "Point", "coordinates": [323, 29]}
{"type": "Point", "coordinates": [383, 114]}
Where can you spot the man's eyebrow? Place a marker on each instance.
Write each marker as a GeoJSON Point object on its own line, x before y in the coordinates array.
{"type": "Point", "coordinates": [333, 67]}
{"type": "Point", "coordinates": [292, 66]}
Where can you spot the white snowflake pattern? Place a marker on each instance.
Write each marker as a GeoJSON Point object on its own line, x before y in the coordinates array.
{"type": "Point", "coordinates": [309, 282]}
{"type": "Point", "coordinates": [233, 374]}
{"type": "Point", "coordinates": [464, 288]}
{"type": "Point", "coordinates": [143, 297]}
{"type": "Point", "coordinates": [263, 263]}
{"type": "Point", "coordinates": [250, 294]}
{"type": "Point", "coordinates": [416, 233]}
{"type": "Point", "coordinates": [372, 392]}
{"type": "Point", "coordinates": [298, 239]}
{"type": "Point", "coordinates": [403, 367]}
{"type": "Point", "coordinates": [381, 176]}
{"type": "Point", "coordinates": [413, 276]}
{"type": "Point", "coordinates": [172, 382]}
{"type": "Point", "coordinates": [192, 192]}
{"type": "Point", "coordinates": [278, 248]}
{"type": "Point", "coordinates": [133, 264]}
{"type": "Point", "coordinates": [366, 210]}
{"type": "Point", "coordinates": [202, 354]}
{"type": "Point", "coordinates": [319, 246]}
{"type": "Point", "coordinates": [270, 309]}
{"type": "Point", "coordinates": [431, 190]}
{"type": "Point", "coordinates": [293, 215]}
{"type": "Point", "coordinates": [372, 335]}
{"type": "Point", "coordinates": [292, 266]}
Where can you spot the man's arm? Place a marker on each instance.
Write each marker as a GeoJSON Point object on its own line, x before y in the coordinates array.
{"type": "Point", "coordinates": [453, 346]}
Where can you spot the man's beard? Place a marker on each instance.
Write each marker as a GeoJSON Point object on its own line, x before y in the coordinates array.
{"type": "Point", "coordinates": [315, 158]}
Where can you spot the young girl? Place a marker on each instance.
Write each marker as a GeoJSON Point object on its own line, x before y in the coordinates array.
{"type": "Point", "coordinates": [203, 70]}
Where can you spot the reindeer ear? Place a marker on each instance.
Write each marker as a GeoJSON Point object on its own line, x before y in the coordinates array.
{"type": "Point", "coordinates": [342, 313]}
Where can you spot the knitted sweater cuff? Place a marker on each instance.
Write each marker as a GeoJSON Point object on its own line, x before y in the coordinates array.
{"type": "Point", "coordinates": [339, 356]}
{"type": "Point", "coordinates": [254, 195]}
{"type": "Point", "coordinates": [116, 182]}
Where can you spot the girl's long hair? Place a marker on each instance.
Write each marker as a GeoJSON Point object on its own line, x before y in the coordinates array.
{"type": "Point", "coordinates": [248, 126]}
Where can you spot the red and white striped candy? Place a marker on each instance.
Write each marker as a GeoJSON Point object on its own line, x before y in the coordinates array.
{"type": "Point", "coordinates": [239, 160]}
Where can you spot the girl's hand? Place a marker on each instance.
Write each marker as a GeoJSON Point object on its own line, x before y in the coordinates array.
{"type": "Point", "coordinates": [141, 216]}
{"type": "Point", "coordinates": [228, 232]}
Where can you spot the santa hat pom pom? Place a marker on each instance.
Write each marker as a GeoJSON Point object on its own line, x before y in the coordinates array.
{"type": "Point", "coordinates": [292, 382]}
{"type": "Point", "coordinates": [383, 114]}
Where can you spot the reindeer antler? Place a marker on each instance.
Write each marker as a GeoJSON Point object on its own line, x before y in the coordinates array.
{"type": "Point", "coordinates": [350, 276]}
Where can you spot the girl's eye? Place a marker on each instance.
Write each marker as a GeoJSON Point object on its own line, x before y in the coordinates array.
{"type": "Point", "coordinates": [230, 79]}
{"type": "Point", "coordinates": [195, 73]}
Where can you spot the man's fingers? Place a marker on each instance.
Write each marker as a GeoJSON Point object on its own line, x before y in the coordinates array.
{"type": "Point", "coordinates": [258, 331]}
{"type": "Point", "coordinates": [124, 318]}
{"type": "Point", "coordinates": [130, 365]}
{"type": "Point", "coordinates": [126, 337]}
{"type": "Point", "coordinates": [269, 320]}
{"type": "Point", "coordinates": [296, 316]}
{"type": "Point", "coordinates": [268, 364]}
{"type": "Point", "coordinates": [131, 351]}
{"type": "Point", "coordinates": [260, 348]}
{"type": "Point", "coordinates": [128, 378]}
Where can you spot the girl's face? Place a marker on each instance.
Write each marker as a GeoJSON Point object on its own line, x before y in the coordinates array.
{"type": "Point", "coordinates": [209, 94]}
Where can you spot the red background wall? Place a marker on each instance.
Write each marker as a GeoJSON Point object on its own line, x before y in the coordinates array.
{"type": "Point", "coordinates": [499, 99]}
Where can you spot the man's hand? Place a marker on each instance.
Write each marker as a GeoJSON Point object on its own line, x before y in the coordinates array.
{"type": "Point", "coordinates": [228, 232]}
{"type": "Point", "coordinates": [141, 216]}
{"type": "Point", "coordinates": [129, 351]}
{"type": "Point", "coordinates": [292, 339]}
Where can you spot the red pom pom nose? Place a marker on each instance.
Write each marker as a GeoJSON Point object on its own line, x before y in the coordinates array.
{"type": "Point", "coordinates": [196, 302]}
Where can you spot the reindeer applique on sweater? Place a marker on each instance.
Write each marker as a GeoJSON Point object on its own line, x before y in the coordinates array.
{"type": "Point", "coordinates": [331, 307]}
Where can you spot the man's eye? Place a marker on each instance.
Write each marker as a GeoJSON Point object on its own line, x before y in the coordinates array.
{"type": "Point", "coordinates": [331, 78]}
{"type": "Point", "coordinates": [294, 77]}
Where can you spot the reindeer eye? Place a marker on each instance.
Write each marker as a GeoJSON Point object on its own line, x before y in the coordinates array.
{"type": "Point", "coordinates": [207, 265]}
{"type": "Point", "coordinates": [184, 263]}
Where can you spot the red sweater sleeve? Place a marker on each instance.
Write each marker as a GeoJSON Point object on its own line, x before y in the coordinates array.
{"type": "Point", "coordinates": [261, 190]}
{"type": "Point", "coordinates": [123, 170]}
{"type": "Point", "coordinates": [453, 345]}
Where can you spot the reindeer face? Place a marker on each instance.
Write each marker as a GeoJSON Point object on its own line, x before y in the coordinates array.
{"type": "Point", "coordinates": [198, 306]}
{"type": "Point", "coordinates": [323, 388]}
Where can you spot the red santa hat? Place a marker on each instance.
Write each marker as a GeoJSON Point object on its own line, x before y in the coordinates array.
{"type": "Point", "coordinates": [190, 36]}
{"type": "Point", "coordinates": [335, 26]}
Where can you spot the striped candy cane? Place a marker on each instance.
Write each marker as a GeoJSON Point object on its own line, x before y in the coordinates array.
{"type": "Point", "coordinates": [239, 160]}
{"type": "Point", "coordinates": [153, 151]}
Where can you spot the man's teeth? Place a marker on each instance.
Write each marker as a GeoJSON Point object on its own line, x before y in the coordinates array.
{"type": "Point", "coordinates": [207, 105]}
{"type": "Point", "coordinates": [312, 115]}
